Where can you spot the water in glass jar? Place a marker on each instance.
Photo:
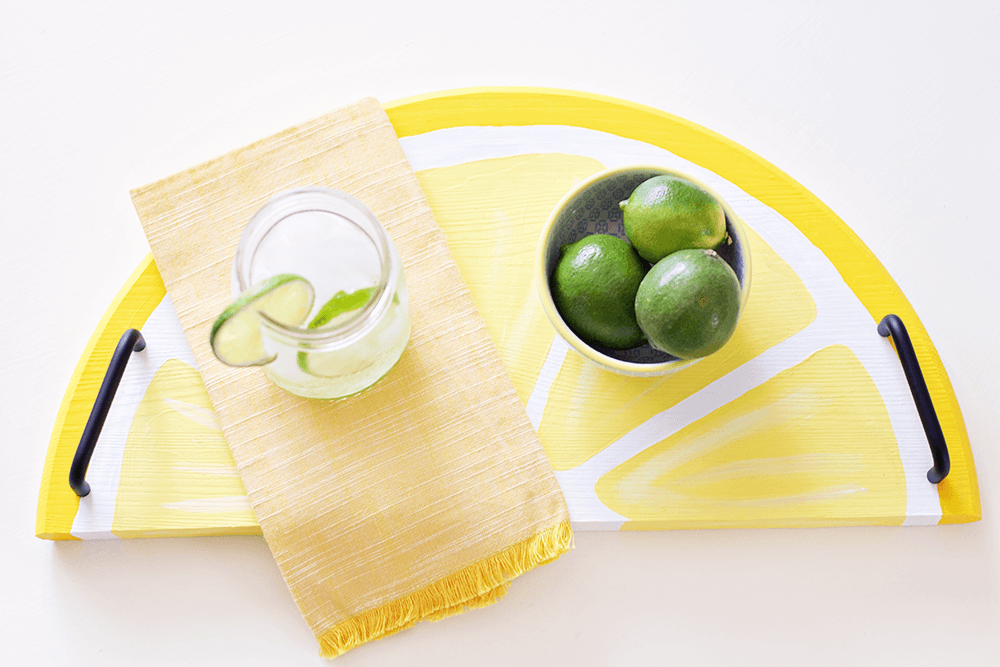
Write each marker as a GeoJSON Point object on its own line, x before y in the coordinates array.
{"type": "Point", "coordinates": [359, 323]}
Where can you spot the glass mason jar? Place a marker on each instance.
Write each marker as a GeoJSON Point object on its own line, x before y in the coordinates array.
{"type": "Point", "coordinates": [360, 319]}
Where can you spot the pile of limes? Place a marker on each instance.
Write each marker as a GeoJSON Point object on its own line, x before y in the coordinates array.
{"type": "Point", "coordinates": [665, 285]}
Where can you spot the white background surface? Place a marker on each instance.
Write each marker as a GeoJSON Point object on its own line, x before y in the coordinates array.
{"type": "Point", "coordinates": [887, 113]}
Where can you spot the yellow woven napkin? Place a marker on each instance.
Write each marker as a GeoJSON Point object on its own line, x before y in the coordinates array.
{"type": "Point", "coordinates": [415, 499]}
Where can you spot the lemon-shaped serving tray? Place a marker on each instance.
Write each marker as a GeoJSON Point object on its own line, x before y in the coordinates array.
{"type": "Point", "coordinates": [804, 419]}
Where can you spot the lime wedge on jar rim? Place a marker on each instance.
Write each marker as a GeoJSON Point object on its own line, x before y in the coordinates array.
{"type": "Point", "coordinates": [236, 339]}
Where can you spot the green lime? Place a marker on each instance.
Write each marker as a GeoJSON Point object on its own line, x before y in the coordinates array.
{"type": "Point", "coordinates": [235, 336]}
{"type": "Point", "coordinates": [688, 303]}
{"type": "Point", "coordinates": [667, 213]}
{"type": "Point", "coordinates": [594, 288]}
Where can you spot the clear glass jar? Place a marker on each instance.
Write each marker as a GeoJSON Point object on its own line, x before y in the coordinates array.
{"type": "Point", "coordinates": [336, 243]}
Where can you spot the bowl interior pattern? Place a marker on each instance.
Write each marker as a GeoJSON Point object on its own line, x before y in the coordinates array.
{"type": "Point", "coordinates": [595, 210]}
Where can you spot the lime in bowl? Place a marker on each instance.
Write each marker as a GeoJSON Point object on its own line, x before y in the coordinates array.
{"type": "Point", "coordinates": [584, 222]}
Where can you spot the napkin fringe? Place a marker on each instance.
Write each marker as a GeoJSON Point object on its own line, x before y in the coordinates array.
{"type": "Point", "coordinates": [478, 585]}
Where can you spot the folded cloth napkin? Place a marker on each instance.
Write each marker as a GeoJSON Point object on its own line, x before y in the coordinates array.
{"type": "Point", "coordinates": [416, 499]}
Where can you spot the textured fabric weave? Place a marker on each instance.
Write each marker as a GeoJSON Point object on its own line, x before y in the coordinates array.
{"type": "Point", "coordinates": [415, 499]}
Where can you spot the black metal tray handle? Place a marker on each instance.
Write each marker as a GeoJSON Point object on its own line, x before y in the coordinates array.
{"type": "Point", "coordinates": [130, 341]}
{"type": "Point", "coordinates": [892, 325]}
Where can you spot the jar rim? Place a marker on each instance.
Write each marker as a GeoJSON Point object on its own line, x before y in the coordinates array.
{"type": "Point", "coordinates": [329, 200]}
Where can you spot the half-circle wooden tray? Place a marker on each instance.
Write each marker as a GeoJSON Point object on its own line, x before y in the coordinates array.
{"type": "Point", "coordinates": [803, 419]}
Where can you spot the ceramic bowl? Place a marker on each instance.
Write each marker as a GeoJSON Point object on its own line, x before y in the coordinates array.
{"type": "Point", "coordinates": [592, 208]}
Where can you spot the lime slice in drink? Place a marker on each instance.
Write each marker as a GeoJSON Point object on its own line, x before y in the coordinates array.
{"type": "Point", "coordinates": [338, 305]}
{"type": "Point", "coordinates": [236, 338]}
{"type": "Point", "coordinates": [341, 303]}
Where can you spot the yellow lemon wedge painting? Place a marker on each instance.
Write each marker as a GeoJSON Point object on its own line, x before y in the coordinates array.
{"type": "Point", "coordinates": [766, 458]}
{"type": "Point", "coordinates": [804, 419]}
{"type": "Point", "coordinates": [176, 436]}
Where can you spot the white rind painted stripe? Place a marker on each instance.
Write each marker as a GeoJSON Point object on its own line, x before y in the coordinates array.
{"type": "Point", "coordinates": [546, 376]}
